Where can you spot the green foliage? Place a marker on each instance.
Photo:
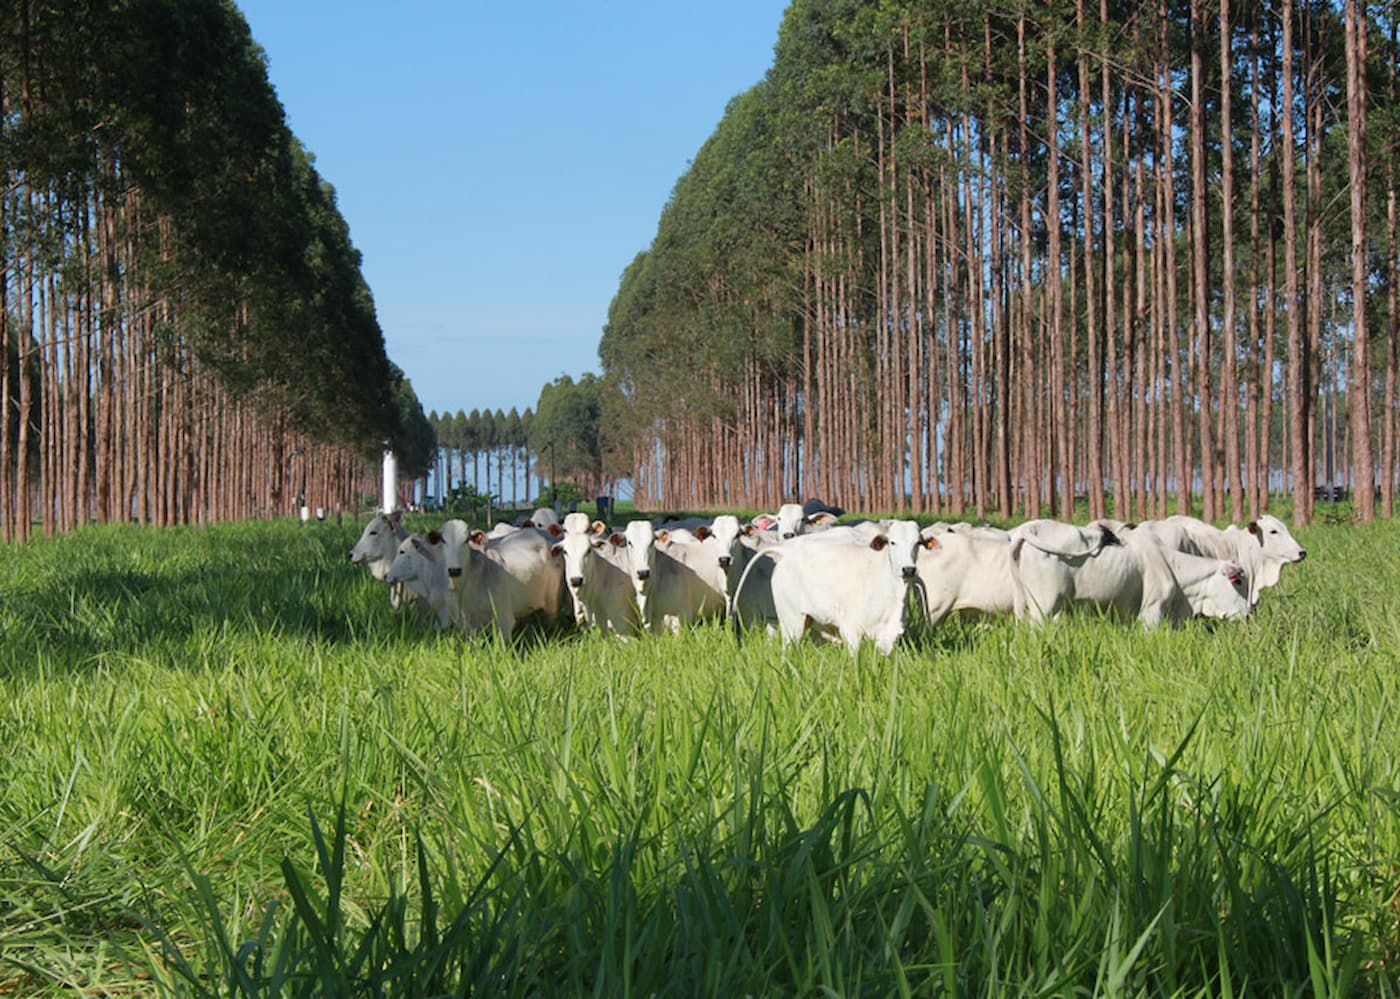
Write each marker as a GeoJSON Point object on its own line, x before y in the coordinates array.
{"type": "Point", "coordinates": [564, 493]}
{"type": "Point", "coordinates": [163, 108]}
{"type": "Point", "coordinates": [567, 431]}
{"type": "Point", "coordinates": [233, 770]}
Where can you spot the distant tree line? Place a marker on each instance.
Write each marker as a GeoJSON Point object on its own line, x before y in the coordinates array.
{"type": "Point", "coordinates": [565, 440]}
{"type": "Point", "coordinates": [186, 332]}
{"type": "Point", "coordinates": [954, 257]}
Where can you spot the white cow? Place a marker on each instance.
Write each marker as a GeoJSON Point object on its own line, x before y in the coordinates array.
{"type": "Point", "coordinates": [690, 580]}
{"type": "Point", "coordinates": [794, 520]}
{"type": "Point", "coordinates": [675, 576]}
{"type": "Point", "coordinates": [597, 575]}
{"type": "Point", "coordinates": [752, 603]}
{"type": "Point", "coordinates": [968, 571]}
{"type": "Point", "coordinates": [379, 543]}
{"type": "Point", "coordinates": [543, 517]}
{"type": "Point", "coordinates": [1129, 574]}
{"type": "Point", "coordinates": [1209, 587]}
{"type": "Point", "coordinates": [839, 582]}
{"type": "Point", "coordinates": [1261, 549]}
{"type": "Point", "coordinates": [639, 547]}
{"type": "Point", "coordinates": [420, 564]}
{"type": "Point", "coordinates": [501, 581]}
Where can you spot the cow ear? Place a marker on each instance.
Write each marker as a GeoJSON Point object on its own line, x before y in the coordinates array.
{"type": "Point", "coordinates": [434, 538]}
{"type": "Point", "coordinates": [555, 531]}
{"type": "Point", "coordinates": [598, 527]}
{"type": "Point", "coordinates": [702, 532]}
{"type": "Point", "coordinates": [556, 550]}
{"type": "Point", "coordinates": [879, 542]}
{"type": "Point", "coordinates": [1256, 530]}
{"type": "Point", "coordinates": [477, 538]}
{"type": "Point", "coordinates": [663, 536]}
{"type": "Point", "coordinates": [527, 522]}
{"type": "Point", "coordinates": [749, 530]}
{"type": "Point", "coordinates": [929, 543]}
{"type": "Point", "coordinates": [822, 517]}
{"type": "Point", "coordinates": [618, 540]}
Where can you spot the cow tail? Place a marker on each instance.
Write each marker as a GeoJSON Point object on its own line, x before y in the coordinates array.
{"type": "Point", "coordinates": [734, 600]}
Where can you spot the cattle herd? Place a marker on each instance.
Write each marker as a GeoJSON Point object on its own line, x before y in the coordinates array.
{"type": "Point", "coordinates": [801, 570]}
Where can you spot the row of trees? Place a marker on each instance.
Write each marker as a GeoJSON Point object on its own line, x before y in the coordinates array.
{"type": "Point", "coordinates": [186, 332]}
{"type": "Point", "coordinates": [951, 256]}
{"type": "Point", "coordinates": [563, 441]}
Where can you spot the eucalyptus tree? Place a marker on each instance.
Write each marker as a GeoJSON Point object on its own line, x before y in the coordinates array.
{"type": "Point", "coordinates": [946, 255]}
{"type": "Point", "coordinates": [178, 279]}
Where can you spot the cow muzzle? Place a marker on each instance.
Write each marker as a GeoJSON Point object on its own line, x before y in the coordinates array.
{"type": "Point", "coordinates": [644, 574]}
{"type": "Point", "coordinates": [907, 571]}
{"type": "Point", "coordinates": [575, 581]}
{"type": "Point", "coordinates": [725, 561]}
{"type": "Point", "coordinates": [1302, 554]}
{"type": "Point", "coordinates": [789, 534]}
{"type": "Point", "coordinates": [455, 571]}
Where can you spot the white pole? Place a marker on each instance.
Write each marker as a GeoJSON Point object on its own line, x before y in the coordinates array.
{"type": "Point", "coordinates": [391, 482]}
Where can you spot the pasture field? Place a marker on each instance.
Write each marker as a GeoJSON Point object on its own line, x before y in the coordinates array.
{"type": "Point", "coordinates": [230, 769]}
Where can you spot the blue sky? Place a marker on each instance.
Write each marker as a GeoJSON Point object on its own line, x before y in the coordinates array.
{"type": "Point", "coordinates": [500, 164]}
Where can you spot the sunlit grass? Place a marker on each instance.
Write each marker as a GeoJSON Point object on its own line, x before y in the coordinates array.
{"type": "Point", "coordinates": [232, 769]}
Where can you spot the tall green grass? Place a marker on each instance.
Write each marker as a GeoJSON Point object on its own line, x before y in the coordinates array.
{"type": "Point", "coordinates": [231, 769]}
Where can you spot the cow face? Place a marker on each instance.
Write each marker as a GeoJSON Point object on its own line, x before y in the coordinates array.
{"type": "Point", "coordinates": [791, 520]}
{"type": "Point", "coordinates": [640, 541]}
{"type": "Point", "coordinates": [577, 552]}
{"type": "Point", "coordinates": [456, 536]}
{"type": "Point", "coordinates": [417, 558]}
{"type": "Point", "coordinates": [900, 543]}
{"type": "Point", "coordinates": [378, 544]}
{"type": "Point", "coordinates": [1276, 540]}
{"type": "Point", "coordinates": [1226, 594]}
{"type": "Point", "coordinates": [724, 536]}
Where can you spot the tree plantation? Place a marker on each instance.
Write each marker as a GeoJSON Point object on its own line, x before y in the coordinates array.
{"type": "Point", "coordinates": [186, 332]}
{"type": "Point", "coordinates": [952, 257]}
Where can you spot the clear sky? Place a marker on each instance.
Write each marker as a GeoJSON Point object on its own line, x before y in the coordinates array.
{"type": "Point", "coordinates": [500, 164]}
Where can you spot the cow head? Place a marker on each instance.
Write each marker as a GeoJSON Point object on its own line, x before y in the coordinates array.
{"type": "Point", "coordinates": [900, 542]}
{"type": "Point", "coordinates": [378, 544]}
{"type": "Point", "coordinates": [791, 520]}
{"type": "Point", "coordinates": [1226, 594]}
{"type": "Point", "coordinates": [418, 557]}
{"type": "Point", "coordinates": [640, 542]}
{"type": "Point", "coordinates": [1276, 540]}
{"type": "Point", "coordinates": [723, 534]}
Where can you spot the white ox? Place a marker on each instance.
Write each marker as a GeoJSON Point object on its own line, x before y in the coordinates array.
{"type": "Point", "coordinates": [794, 520]}
{"type": "Point", "coordinates": [968, 570]}
{"type": "Point", "coordinates": [597, 576]}
{"type": "Point", "coordinates": [676, 577]}
{"type": "Point", "coordinates": [379, 543]}
{"type": "Point", "coordinates": [752, 603]}
{"type": "Point", "coordinates": [501, 581]}
{"type": "Point", "coordinates": [1059, 564]}
{"type": "Point", "coordinates": [690, 581]}
{"type": "Point", "coordinates": [420, 564]}
{"type": "Point", "coordinates": [1261, 549]}
{"type": "Point", "coordinates": [543, 517]}
{"type": "Point", "coordinates": [840, 582]}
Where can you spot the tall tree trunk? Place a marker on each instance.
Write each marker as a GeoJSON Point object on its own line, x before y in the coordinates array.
{"type": "Point", "coordinates": [1363, 465]}
{"type": "Point", "coordinates": [1229, 373]}
{"type": "Point", "coordinates": [1299, 463]}
{"type": "Point", "coordinates": [1200, 260]}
